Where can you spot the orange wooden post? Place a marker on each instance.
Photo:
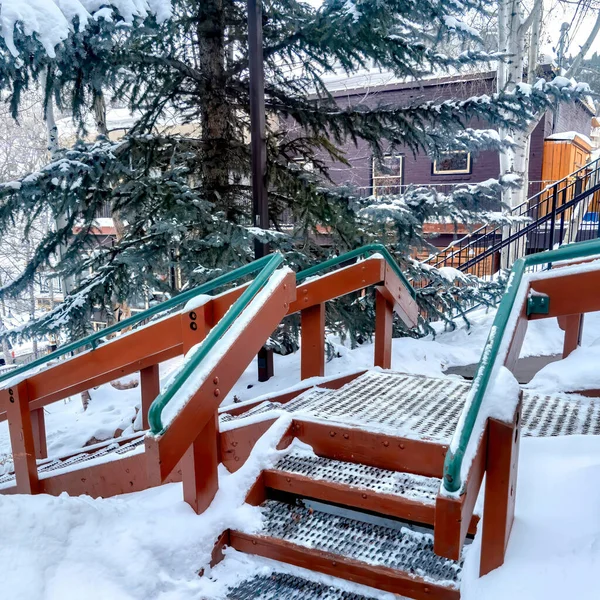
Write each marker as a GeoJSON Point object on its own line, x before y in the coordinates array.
{"type": "Point", "coordinates": [384, 319]}
{"type": "Point", "coordinates": [21, 439]}
{"type": "Point", "coordinates": [150, 384]}
{"type": "Point", "coordinates": [312, 344]}
{"type": "Point", "coordinates": [500, 490]}
{"type": "Point", "coordinates": [38, 425]}
{"type": "Point", "coordinates": [200, 468]}
{"type": "Point", "coordinates": [573, 327]}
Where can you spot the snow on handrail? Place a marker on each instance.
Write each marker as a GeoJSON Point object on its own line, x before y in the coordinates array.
{"type": "Point", "coordinates": [202, 350]}
{"type": "Point", "coordinates": [95, 338]}
{"type": "Point", "coordinates": [457, 452]}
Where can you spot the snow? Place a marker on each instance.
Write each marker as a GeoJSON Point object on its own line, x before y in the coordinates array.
{"type": "Point", "coordinates": [151, 545]}
{"type": "Point", "coordinates": [554, 549]}
{"type": "Point", "coordinates": [570, 136]}
{"type": "Point", "coordinates": [579, 371]}
{"type": "Point", "coordinates": [51, 21]}
{"type": "Point", "coordinates": [137, 546]}
{"type": "Point", "coordinates": [454, 23]}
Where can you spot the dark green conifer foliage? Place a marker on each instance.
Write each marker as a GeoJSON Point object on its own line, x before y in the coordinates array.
{"type": "Point", "coordinates": [179, 179]}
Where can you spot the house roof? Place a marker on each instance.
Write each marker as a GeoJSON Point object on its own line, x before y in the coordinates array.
{"type": "Point", "coordinates": [376, 80]}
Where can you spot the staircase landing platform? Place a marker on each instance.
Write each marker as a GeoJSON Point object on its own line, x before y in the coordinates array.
{"type": "Point", "coordinates": [423, 407]}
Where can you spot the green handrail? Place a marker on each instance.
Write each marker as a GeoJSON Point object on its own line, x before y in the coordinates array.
{"type": "Point", "coordinates": [368, 249]}
{"type": "Point", "coordinates": [94, 338]}
{"type": "Point", "coordinates": [454, 460]}
{"type": "Point", "coordinates": [161, 401]}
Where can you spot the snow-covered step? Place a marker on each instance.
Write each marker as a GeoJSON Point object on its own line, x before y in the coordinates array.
{"type": "Point", "coordinates": [285, 586]}
{"type": "Point", "coordinates": [403, 495]}
{"type": "Point", "coordinates": [395, 559]}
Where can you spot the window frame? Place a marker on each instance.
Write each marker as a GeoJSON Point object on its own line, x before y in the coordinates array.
{"type": "Point", "coordinates": [374, 177]}
{"type": "Point", "coordinates": [467, 171]}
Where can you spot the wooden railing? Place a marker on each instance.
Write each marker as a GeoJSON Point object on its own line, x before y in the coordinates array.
{"type": "Point", "coordinates": [182, 450]}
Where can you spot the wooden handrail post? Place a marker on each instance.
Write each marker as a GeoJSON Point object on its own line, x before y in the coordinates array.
{"type": "Point", "coordinates": [150, 384]}
{"type": "Point", "coordinates": [500, 490]}
{"type": "Point", "coordinates": [572, 325]}
{"type": "Point", "coordinates": [312, 343]}
{"type": "Point", "coordinates": [199, 468]}
{"type": "Point", "coordinates": [38, 425]}
{"type": "Point", "coordinates": [21, 439]}
{"type": "Point", "coordinates": [384, 320]}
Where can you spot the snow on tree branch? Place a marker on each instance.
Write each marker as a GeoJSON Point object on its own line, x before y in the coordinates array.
{"type": "Point", "coordinates": [51, 21]}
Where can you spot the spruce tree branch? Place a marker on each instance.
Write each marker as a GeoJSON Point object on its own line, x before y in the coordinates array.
{"type": "Point", "coordinates": [178, 65]}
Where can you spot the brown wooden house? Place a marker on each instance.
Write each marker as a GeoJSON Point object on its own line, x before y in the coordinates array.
{"type": "Point", "coordinates": [401, 167]}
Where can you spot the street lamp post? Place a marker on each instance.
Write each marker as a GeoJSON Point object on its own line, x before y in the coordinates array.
{"type": "Point", "coordinates": [258, 146]}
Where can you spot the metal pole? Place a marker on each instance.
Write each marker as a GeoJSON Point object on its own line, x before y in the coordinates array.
{"type": "Point", "coordinates": [258, 142]}
{"type": "Point", "coordinates": [258, 147]}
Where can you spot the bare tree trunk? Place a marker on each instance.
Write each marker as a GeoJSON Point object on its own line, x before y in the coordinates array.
{"type": "Point", "coordinates": [576, 65]}
{"type": "Point", "coordinates": [100, 113]}
{"type": "Point", "coordinates": [5, 348]}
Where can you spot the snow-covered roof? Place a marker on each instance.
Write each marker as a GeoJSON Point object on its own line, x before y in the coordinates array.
{"type": "Point", "coordinates": [569, 136]}
{"type": "Point", "coordinates": [377, 79]}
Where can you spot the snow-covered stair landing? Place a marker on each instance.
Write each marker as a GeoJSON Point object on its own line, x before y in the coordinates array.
{"type": "Point", "coordinates": [425, 408]}
{"type": "Point", "coordinates": [89, 456]}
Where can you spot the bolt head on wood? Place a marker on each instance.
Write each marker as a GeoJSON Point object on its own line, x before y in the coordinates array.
{"type": "Point", "coordinates": [217, 393]}
{"type": "Point", "coordinates": [193, 316]}
{"type": "Point", "coordinates": [216, 380]}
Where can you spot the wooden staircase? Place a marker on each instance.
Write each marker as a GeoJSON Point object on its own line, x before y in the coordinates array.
{"type": "Point", "coordinates": [343, 511]}
{"type": "Point", "coordinates": [381, 498]}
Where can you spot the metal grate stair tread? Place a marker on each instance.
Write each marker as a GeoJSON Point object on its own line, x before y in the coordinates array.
{"type": "Point", "coordinates": [404, 550]}
{"type": "Point", "coordinates": [382, 481]}
{"type": "Point", "coordinates": [56, 464]}
{"type": "Point", "coordinates": [284, 586]}
{"type": "Point", "coordinates": [429, 408]}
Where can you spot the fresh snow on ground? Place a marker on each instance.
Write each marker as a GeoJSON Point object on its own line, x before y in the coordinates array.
{"type": "Point", "coordinates": [151, 544]}
{"type": "Point", "coordinates": [579, 371]}
{"type": "Point", "coordinates": [554, 549]}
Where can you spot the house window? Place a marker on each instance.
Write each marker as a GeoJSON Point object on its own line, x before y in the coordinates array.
{"type": "Point", "coordinates": [452, 163]}
{"type": "Point", "coordinates": [387, 175]}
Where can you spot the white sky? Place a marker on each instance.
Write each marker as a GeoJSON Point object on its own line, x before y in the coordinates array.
{"type": "Point", "coordinates": [557, 13]}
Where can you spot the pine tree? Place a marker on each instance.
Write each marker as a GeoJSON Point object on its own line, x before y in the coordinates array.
{"type": "Point", "coordinates": [179, 180]}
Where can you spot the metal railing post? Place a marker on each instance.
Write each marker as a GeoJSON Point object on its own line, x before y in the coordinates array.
{"type": "Point", "coordinates": [553, 216]}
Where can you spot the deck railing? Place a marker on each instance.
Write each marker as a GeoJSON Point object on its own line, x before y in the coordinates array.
{"type": "Point", "coordinates": [485, 369]}
{"type": "Point", "coordinates": [96, 338]}
{"type": "Point", "coordinates": [559, 213]}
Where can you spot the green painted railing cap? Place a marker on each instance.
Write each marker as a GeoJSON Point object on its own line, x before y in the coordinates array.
{"type": "Point", "coordinates": [454, 460]}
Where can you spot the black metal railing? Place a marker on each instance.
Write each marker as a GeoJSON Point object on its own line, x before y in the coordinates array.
{"type": "Point", "coordinates": [566, 211]}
